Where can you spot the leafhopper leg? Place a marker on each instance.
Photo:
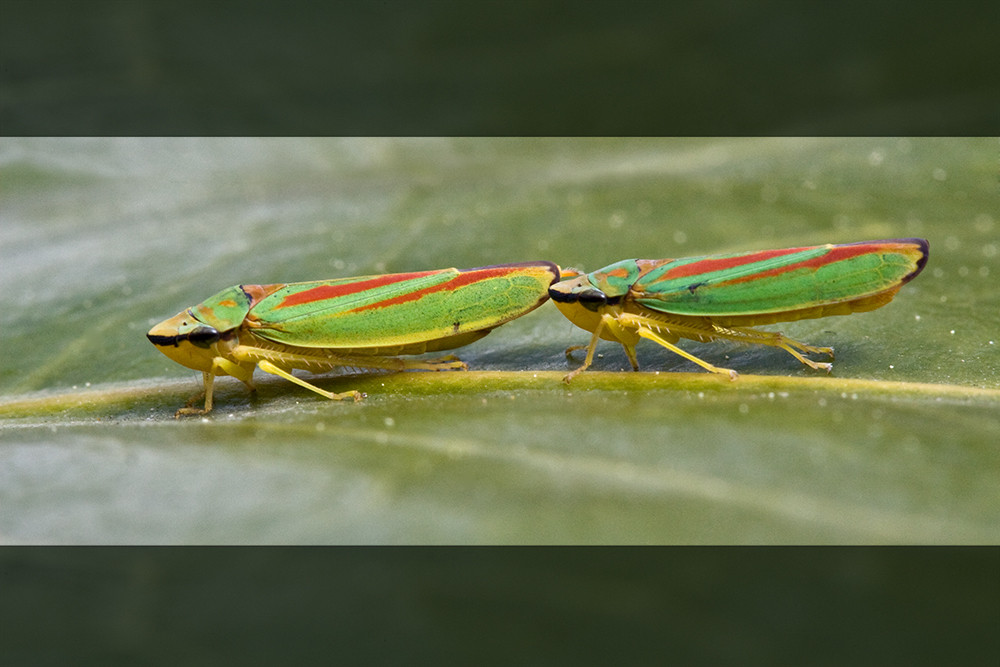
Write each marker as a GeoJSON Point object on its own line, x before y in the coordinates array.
{"type": "Point", "coordinates": [776, 339]}
{"type": "Point", "coordinates": [208, 381]}
{"type": "Point", "coordinates": [208, 377]}
{"type": "Point", "coordinates": [268, 367]}
{"type": "Point", "coordinates": [625, 335]}
{"type": "Point", "coordinates": [786, 345]}
{"type": "Point", "coordinates": [596, 336]}
{"type": "Point", "coordinates": [649, 334]}
{"type": "Point", "coordinates": [446, 363]}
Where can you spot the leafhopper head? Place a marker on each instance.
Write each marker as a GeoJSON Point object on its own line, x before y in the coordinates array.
{"type": "Point", "coordinates": [582, 303]}
{"type": "Point", "coordinates": [193, 337]}
{"type": "Point", "coordinates": [185, 339]}
{"type": "Point", "coordinates": [579, 291]}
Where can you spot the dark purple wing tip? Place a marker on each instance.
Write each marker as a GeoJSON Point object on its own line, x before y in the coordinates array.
{"type": "Point", "coordinates": [925, 251]}
{"type": "Point", "coordinates": [920, 243]}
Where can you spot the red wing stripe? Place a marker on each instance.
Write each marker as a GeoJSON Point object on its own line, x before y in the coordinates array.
{"type": "Point", "coordinates": [836, 254]}
{"type": "Point", "coordinates": [723, 264]}
{"type": "Point", "coordinates": [462, 279]}
{"type": "Point", "coordinates": [324, 292]}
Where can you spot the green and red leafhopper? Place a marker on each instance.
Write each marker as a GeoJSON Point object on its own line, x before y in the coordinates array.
{"type": "Point", "coordinates": [364, 322]}
{"type": "Point", "coordinates": [721, 296]}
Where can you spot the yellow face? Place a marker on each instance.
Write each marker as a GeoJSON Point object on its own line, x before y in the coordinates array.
{"type": "Point", "coordinates": [582, 317]}
{"type": "Point", "coordinates": [186, 340]}
{"type": "Point", "coordinates": [583, 304]}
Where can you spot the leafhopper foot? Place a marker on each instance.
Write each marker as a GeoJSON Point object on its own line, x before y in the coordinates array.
{"type": "Point", "coordinates": [818, 365]}
{"type": "Point", "coordinates": [789, 345]}
{"type": "Point", "coordinates": [208, 381]}
{"type": "Point", "coordinates": [591, 347]}
{"type": "Point", "coordinates": [194, 399]}
{"type": "Point", "coordinates": [189, 409]}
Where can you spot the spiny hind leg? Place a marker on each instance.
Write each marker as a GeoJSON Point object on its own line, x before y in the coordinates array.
{"type": "Point", "coordinates": [780, 340]}
{"type": "Point", "coordinates": [666, 333]}
{"type": "Point", "coordinates": [705, 330]}
{"type": "Point", "coordinates": [279, 362]}
{"type": "Point", "coordinates": [447, 363]}
{"type": "Point", "coordinates": [268, 367]}
{"type": "Point", "coordinates": [649, 334]}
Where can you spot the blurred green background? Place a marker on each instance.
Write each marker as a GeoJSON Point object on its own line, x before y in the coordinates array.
{"type": "Point", "coordinates": [102, 238]}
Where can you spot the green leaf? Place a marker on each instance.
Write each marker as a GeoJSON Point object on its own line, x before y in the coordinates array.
{"type": "Point", "coordinates": [102, 238]}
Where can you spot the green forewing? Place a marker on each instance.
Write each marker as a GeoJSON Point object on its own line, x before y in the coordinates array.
{"type": "Point", "coordinates": [302, 302]}
{"type": "Point", "coordinates": [776, 280]}
{"type": "Point", "coordinates": [401, 309]}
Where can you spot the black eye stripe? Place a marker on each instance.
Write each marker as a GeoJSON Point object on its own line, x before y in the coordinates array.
{"type": "Point", "coordinates": [202, 336]}
{"type": "Point", "coordinates": [592, 296]}
{"type": "Point", "coordinates": [591, 299]}
{"type": "Point", "coordinates": [163, 341]}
